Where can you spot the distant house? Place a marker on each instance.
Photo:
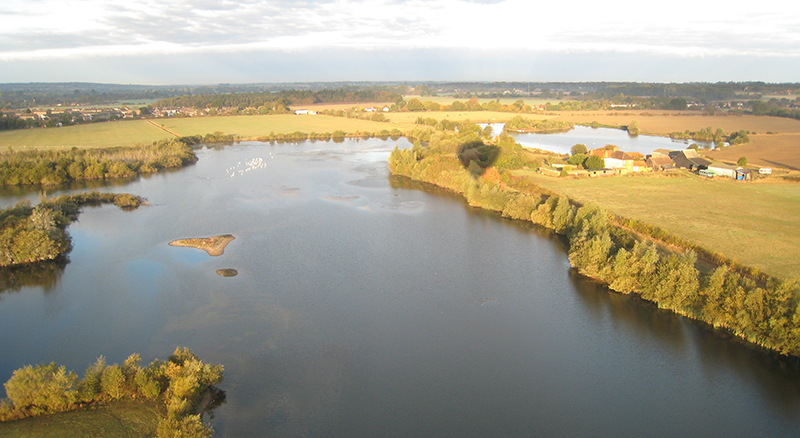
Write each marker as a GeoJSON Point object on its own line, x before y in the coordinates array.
{"type": "Point", "coordinates": [301, 112]}
{"type": "Point", "coordinates": [624, 162]}
{"type": "Point", "coordinates": [688, 159]}
{"type": "Point", "coordinates": [765, 171]}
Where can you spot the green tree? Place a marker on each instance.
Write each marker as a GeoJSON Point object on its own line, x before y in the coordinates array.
{"type": "Point", "coordinates": [415, 105]}
{"type": "Point", "coordinates": [579, 149]}
{"type": "Point", "coordinates": [42, 389]}
{"type": "Point", "coordinates": [633, 128]}
{"type": "Point", "coordinates": [594, 162]}
{"type": "Point", "coordinates": [742, 161]}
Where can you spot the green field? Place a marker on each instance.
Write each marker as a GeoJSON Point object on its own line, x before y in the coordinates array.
{"type": "Point", "coordinates": [753, 223]}
{"type": "Point", "coordinates": [118, 419]}
{"type": "Point", "coordinates": [94, 135]}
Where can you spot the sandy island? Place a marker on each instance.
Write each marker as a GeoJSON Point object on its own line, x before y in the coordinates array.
{"type": "Point", "coordinates": [214, 246]}
{"type": "Point", "coordinates": [227, 272]}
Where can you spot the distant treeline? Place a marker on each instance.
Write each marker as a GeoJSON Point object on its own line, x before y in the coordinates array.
{"type": "Point", "coordinates": [281, 100]}
{"type": "Point", "coordinates": [756, 307]}
{"type": "Point", "coordinates": [777, 108]}
{"type": "Point", "coordinates": [31, 234]}
{"type": "Point", "coordinates": [52, 167]}
{"type": "Point", "coordinates": [178, 384]}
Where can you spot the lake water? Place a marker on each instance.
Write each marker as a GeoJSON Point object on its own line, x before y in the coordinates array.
{"type": "Point", "coordinates": [595, 138]}
{"type": "Point", "coordinates": [370, 307]}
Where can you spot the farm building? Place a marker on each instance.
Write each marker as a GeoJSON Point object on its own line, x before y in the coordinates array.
{"type": "Point", "coordinates": [660, 162]}
{"type": "Point", "coordinates": [723, 170]}
{"type": "Point", "coordinates": [688, 159]}
{"type": "Point", "coordinates": [744, 174]}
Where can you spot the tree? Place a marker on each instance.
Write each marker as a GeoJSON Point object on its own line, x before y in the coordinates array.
{"type": "Point", "coordinates": [742, 161]}
{"type": "Point", "coordinates": [577, 159]}
{"type": "Point", "coordinates": [594, 162]}
{"type": "Point", "coordinates": [415, 105]}
{"type": "Point", "coordinates": [579, 149]}
{"type": "Point", "coordinates": [633, 128]}
{"type": "Point", "coordinates": [42, 389]}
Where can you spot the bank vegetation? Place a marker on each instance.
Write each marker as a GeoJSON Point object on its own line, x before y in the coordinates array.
{"type": "Point", "coordinates": [182, 387]}
{"type": "Point", "coordinates": [620, 253]}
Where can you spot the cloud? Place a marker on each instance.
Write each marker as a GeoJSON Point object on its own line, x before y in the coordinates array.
{"type": "Point", "coordinates": [89, 29]}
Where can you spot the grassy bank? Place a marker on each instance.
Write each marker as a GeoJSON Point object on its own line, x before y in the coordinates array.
{"type": "Point", "coordinates": [115, 419]}
{"type": "Point", "coordinates": [753, 223]}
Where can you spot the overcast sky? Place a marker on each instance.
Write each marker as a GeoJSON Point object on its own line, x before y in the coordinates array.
{"type": "Point", "coordinates": [213, 41]}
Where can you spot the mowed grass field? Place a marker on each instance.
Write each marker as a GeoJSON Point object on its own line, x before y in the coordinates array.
{"type": "Point", "coordinates": [754, 223]}
{"type": "Point", "coordinates": [119, 419]}
{"type": "Point", "coordinates": [95, 135]}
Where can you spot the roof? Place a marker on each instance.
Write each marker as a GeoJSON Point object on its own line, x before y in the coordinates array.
{"type": "Point", "coordinates": [619, 155]}
{"type": "Point", "coordinates": [660, 160]}
{"type": "Point", "coordinates": [688, 159]}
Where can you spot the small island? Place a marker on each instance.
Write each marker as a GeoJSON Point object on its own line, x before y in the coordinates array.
{"type": "Point", "coordinates": [227, 272]}
{"type": "Point", "coordinates": [214, 246]}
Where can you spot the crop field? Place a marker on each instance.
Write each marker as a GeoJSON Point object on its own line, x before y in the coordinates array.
{"type": "Point", "coordinates": [664, 122]}
{"type": "Point", "coordinates": [775, 150]}
{"type": "Point", "coordinates": [409, 118]}
{"type": "Point", "coordinates": [118, 419]}
{"type": "Point", "coordinates": [94, 135]}
{"type": "Point", "coordinates": [447, 100]}
{"type": "Point", "coordinates": [255, 126]}
{"type": "Point", "coordinates": [753, 223]}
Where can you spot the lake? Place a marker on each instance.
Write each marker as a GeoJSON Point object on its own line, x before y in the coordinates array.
{"type": "Point", "coordinates": [372, 307]}
{"type": "Point", "coordinates": [595, 138]}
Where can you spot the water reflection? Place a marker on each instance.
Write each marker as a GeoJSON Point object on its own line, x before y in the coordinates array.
{"type": "Point", "coordinates": [44, 275]}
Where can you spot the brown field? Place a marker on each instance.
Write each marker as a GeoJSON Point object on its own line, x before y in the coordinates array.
{"type": "Point", "coordinates": [447, 100]}
{"type": "Point", "coordinates": [342, 106]}
{"type": "Point", "coordinates": [408, 118]}
{"type": "Point", "coordinates": [256, 126]}
{"type": "Point", "coordinates": [776, 150]}
{"type": "Point", "coordinates": [661, 122]}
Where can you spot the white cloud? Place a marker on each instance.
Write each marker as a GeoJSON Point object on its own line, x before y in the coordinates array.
{"type": "Point", "coordinates": [64, 29]}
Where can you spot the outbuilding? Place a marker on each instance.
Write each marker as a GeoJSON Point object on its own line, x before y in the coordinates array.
{"type": "Point", "coordinates": [723, 170]}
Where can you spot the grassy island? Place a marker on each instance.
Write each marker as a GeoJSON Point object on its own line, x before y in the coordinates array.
{"type": "Point", "coordinates": [214, 246]}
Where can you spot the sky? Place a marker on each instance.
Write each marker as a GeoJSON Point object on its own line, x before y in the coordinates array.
{"type": "Point", "coordinates": [161, 42]}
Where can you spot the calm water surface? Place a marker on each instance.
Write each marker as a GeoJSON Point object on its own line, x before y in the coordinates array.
{"type": "Point", "coordinates": [595, 138]}
{"type": "Point", "coordinates": [366, 307]}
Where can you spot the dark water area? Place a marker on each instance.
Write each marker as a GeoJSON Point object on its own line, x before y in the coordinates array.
{"type": "Point", "coordinates": [369, 306]}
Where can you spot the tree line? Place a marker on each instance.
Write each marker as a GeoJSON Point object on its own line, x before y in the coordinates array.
{"type": "Point", "coordinates": [51, 167]}
{"type": "Point", "coordinates": [177, 384]}
{"type": "Point", "coordinates": [282, 99]}
{"type": "Point", "coordinates": [758, 308]}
